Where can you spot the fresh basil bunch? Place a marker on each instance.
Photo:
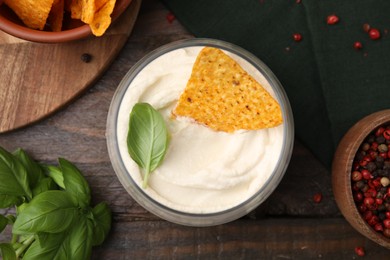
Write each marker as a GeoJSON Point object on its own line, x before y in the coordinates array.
{"type": "Point", "coordinates": [54, 218]}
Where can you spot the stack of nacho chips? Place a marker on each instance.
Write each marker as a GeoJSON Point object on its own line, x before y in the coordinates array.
{"type": "Point", "coordinates": [37, 14]}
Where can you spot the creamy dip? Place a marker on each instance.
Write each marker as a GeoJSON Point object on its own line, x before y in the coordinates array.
{"type": "Point", "coordinates": [204, 171]}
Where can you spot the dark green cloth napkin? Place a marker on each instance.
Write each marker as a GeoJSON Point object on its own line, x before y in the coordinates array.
{"type": "Point", "coordinates": [330, 84]}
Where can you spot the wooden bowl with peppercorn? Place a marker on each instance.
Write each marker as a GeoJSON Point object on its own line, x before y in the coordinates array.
{"type": "Point", "coordinates": [57, 21]}
{"type": "Point", "coordinates": [361, 177]}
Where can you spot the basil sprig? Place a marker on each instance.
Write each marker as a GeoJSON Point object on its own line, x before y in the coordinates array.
{"type": "Point", "coordinates": [54, 218]}
{"type": "Point", "coordinates": [147, 139]}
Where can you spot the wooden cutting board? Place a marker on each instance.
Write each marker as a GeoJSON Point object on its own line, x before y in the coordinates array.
{"type": "Point", "coordinates": [38, 79]}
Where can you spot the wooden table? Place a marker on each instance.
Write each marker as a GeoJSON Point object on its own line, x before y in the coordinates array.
{"type": "Point", "coordinates": [289, 225]}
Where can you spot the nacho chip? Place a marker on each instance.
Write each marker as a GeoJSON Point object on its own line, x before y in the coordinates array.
{"type": "Point", "coordinates": [99, 4]}
{"type": "Point", "coordinates": [76, 9]}
{"type": "Point", "coordinates": [56, 15]}
{"type": "Point", "coordinates": [33, 13]}
{"type": "Point", "coordinates": [87, 11]}
{"type": "Point", "coordinates": [102, 18]}
{"type": "Point", "coordinates": [223, 96]}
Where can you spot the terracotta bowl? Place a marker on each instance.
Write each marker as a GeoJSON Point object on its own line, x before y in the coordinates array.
{"type": "Point", "coordinates": [72, 29]}
{"type": "Point", "coordinates": [342, 169]}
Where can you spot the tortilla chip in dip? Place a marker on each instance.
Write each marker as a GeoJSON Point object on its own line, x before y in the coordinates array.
{"type": "Point", "coordinates": [221, 95]}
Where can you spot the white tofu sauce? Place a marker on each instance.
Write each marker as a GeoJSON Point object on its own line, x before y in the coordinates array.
{"type": "Point", "coordinates": [204, 171]}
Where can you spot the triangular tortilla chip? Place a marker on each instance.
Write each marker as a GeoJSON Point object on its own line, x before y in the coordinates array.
{"type": "Point", "coordinates": [76, 9]}
{"type": "Point", "coordinates": [88, 11]}
{"type": "Point", "coordinates": [33, 13]}
{"type": "Point", "coordinates": [223, 96]}
{"type": "Point", "coordinates": [102, 19]}
{"type": "Point", "coordinates": [56, 15]}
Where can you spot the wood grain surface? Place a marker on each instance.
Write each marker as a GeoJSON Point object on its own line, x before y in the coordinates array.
{"type": "Point", "coordinates": [38, 79]}
{"type": "Point", "coordinates": [289, 225]}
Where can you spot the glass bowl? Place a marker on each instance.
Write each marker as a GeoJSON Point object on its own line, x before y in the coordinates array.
{"type": "Point", "coordinates": [170, 66]}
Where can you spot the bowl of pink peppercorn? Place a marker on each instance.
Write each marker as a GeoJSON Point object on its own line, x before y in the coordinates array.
{"type": "Point", "coordinates": [361, 177]}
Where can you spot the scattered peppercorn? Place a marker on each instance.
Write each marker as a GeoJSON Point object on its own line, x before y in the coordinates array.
{"type": "Point", "coordinates": [317, 198]}
{"type": "Point", "coordinates": [86, 57]}
{"type": "Point", "coordinates": [374, 33]}
{"type": "Point", "coordinates": [357, 45]}
{"type": "Point", "coordinates": [297, 37]}
{"type": "Point", "coordinates": [370, 179]}
{"type": "Point", "coordinates": [360, 251]}
{"type": "Point", "coordinates": [366, 27]}
{"type": "Point", "coordinates": [332, 19]}
{"type": "Point", "coordinates": [170, 17]}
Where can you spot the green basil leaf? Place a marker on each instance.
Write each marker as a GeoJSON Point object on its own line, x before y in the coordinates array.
{"type": "Point", "coordinates": [75, 183]}
{"type": "Point", "coordinates": [7, 201]}
{"type": "Point", "coordinates": [43, 237]}
{"type": "Point", "coordinates": [102, 223]}
{"type": "Point", "coordinates": [3, 223]}
{"type": "Point", "coordinates": [56, 174]}
{"type": "Point", "coordinates": [21, 207]}
{"type": "Point", "coordinates": [34, 170]}
{"type": "Point", "coordinates": [53, 247]}
{"type": "Point", "coordinates": [43, 185]}
{"type": "Point", "coordinates": [51, 211]}
{"type": "Point", "coordinates": [147, 139]}
{"type": "Point", "coordinates": [74, 243]}
{"type": "Point", "coordinates": [13, 176]}
{"type": "Point", "coordinates": [80, 239]}
{"type": "Point", "coordinates": [7, 252]}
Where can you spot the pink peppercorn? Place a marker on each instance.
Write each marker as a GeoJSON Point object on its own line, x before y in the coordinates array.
{"type": "Point", "coordinates": [297, 37]}
{"type": "Point", "coordinates": [366, 174]}
{"type": "Point", "coordinates": [370, 193]}
{"type": "Point", "coordinates": [317, 198]}
{"type": "Point", "coordinates": [332, 19]}
{"type": "Point", "coordinates": [386, 223]}
{"type": "Point", "coordinates": [374, 34]}
{"type": "Point", "coordinates": [170, 17]}
{"type": "Point", "coordinates": [379, 131]}
{"type": "Point", "coordinates": [386, 134]}
{"type": "Point", "coordinates": [357, 45]}
{"type": "Point", "coordinates": [360, 251]}
{"type": "Point", "coordinates": [378, 227]}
